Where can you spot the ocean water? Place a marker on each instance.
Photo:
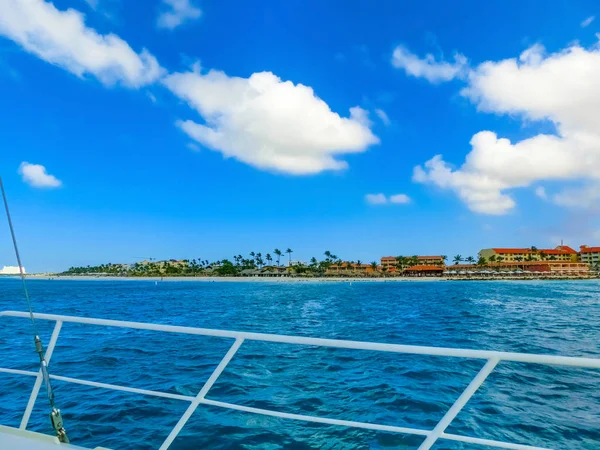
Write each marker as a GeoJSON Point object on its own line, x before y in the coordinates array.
{"type": "Point", "coordinates": [553, 407]}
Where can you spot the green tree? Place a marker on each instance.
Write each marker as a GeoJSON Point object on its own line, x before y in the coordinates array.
{"type": "Point", "coordinates": [269, 258]}
{"type": "Point", "coordinates": [457, 259]}
{"type": "Point", "coordinates": [289, 251]}
{"type": "Point", "coordinates": [374, 265]}
{"type": "Point", "coordinates": [481, 261]}
{"type": "Point", "coordinates": [470, 259]}
{"type": "Point", "coordinates": [226, 269]}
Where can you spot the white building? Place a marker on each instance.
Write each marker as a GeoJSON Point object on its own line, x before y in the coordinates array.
{"type": "Point", "coordinates": [11, 270]}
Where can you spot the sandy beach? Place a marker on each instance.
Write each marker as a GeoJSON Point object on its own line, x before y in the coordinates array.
{"type": "Point", "coordinates": [236, 279]}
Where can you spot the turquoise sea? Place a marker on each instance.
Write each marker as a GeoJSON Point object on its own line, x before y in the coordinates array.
{"type": "Point", "coordinates": [553, 407]}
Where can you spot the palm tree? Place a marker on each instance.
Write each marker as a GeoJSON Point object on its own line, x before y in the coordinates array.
{"type": "Point", "coordinates": [481, 261]}
{"type": "Point", "coordinates": [543, 255]}
{"type": "Point", "coordinates": [444, 258]}
{"type": "Point", "coordinates": [470, 259]}
{"type": "Point", "coordinates": [374, 265]}
{"type": "Point", "coordinates": [457, 259]}
{"type": "Point", "coordinates": [327, 255]}
{"type": "Point", "coordinates": [289, 251]}
{"type": "Point", "coordinates": [278, 253]}
{"type": "Point", "coordinates": [518, 258]}
{"type": "Point", "coordinates": [492, 258]}
{"type": "Point", "coordinates": [269, 258]}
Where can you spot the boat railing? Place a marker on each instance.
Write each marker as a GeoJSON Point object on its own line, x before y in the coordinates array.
{"type": "Point", "coordinates": [491, 360]}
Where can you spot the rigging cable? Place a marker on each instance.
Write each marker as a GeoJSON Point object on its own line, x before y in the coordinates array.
{"type": "Point", "coordinates": [55, 415]}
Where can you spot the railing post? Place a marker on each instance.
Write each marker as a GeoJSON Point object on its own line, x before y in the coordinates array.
{"type": "Point", "coordinates": [209, 383]}
{"type": "Point", "coordinates": [38, 380]}
{"type": "Point", "coordinates": [459, 403]}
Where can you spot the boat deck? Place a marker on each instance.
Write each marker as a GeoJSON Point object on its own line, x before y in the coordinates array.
{"type": "Point", "coordinates": [15, 439]}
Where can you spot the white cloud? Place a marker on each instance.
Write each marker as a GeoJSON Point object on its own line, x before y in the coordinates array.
{"type": "Point", "coordinates": [269, 123]}
{"type": "Point", "coordinates": [540, 191]}
{"type": "Point", "coordinates": [376, 199]}
{"type": "Point", "coordinates": [561, 88]}
{"type": "Point", "coordinates": [428, 68]}
{"type": "Point", "coordinates": [192, 146]}
{"type": "Point", "coordinates": [585, 197]}
{"type": "Point", "coordinates": [35, 175]}
{"type": "Point", "coordinates": [587, 21]}
{"type": "Point", "coordinates": [61, 38]}
{"type": "Point", "coordinates": [381, 199]}
{"type": "Point", "coordinates": [383, 116]}
{"type": "Point", "coordinates": [177, 12]}
{"type": "Point", "coordinates": [400, 199]}
{"type": "Point", "coordinates": [151, 96]}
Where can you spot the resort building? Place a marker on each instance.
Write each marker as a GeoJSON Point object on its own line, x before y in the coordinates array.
{"type": "Point", "coordinates": [560, 253]}
{"type": "Point", "coordinates": [348, 268]}
{"type": "Point", "coordinates": [11, 270]}
{"type": "Point", "coordinates": [389, 263]}
{"type": "Point", "coordinates": [589, 255]}
{"type": "Point", "coordinates": [538, 268]}
{"type": "Point", "coordinates": [424, 270]}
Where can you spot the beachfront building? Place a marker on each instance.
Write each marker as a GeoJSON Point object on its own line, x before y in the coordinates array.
{"type": "Point", "coordinates": [11, 270]}
{"type": "Point", "coordinates": [390, 263]}
{"type": "Point", "coordinates": [590, 255]}
{"type": "Point", "coordinates": [350, 268]}
{"type": "Point", "coordinates": [424, 270]}
{"type": "Point", "coordinates": [522, 268]}
{"type": "Point", "coordinates": [560, 253]}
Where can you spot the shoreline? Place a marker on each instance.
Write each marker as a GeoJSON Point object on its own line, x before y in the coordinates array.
{"type": "Point", "coordinates": [230, 279]}
{"type": "Point", "coordinates": [281, 279]}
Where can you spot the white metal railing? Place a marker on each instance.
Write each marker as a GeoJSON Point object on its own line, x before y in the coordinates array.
{"type": "Point", "coordinates": [492, 359]}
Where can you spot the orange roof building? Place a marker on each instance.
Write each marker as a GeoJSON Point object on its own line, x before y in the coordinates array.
{"type": "Point", "coordinates": [589, 255]}
{"type": "Point", "coordinates": [424, 270]}
{"type": "Point", "coordinates": [390, 262]}
{"type": "Point", "coordinates": [560, 253]}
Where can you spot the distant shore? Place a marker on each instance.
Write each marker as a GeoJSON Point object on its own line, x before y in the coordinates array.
{"type": "Point", "coordinates": [288, 279]}
{"type": "Point", "coordinates": [235, 279]}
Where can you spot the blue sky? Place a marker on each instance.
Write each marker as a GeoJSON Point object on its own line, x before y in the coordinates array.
{"type": "Point", "coordinates": [232, 131]}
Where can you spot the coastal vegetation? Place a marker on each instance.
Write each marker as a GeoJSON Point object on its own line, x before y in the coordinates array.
{"type": "Point", "coordinates": [270, 265]}
{"type": "Point", "coordinates": [238, 265]}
